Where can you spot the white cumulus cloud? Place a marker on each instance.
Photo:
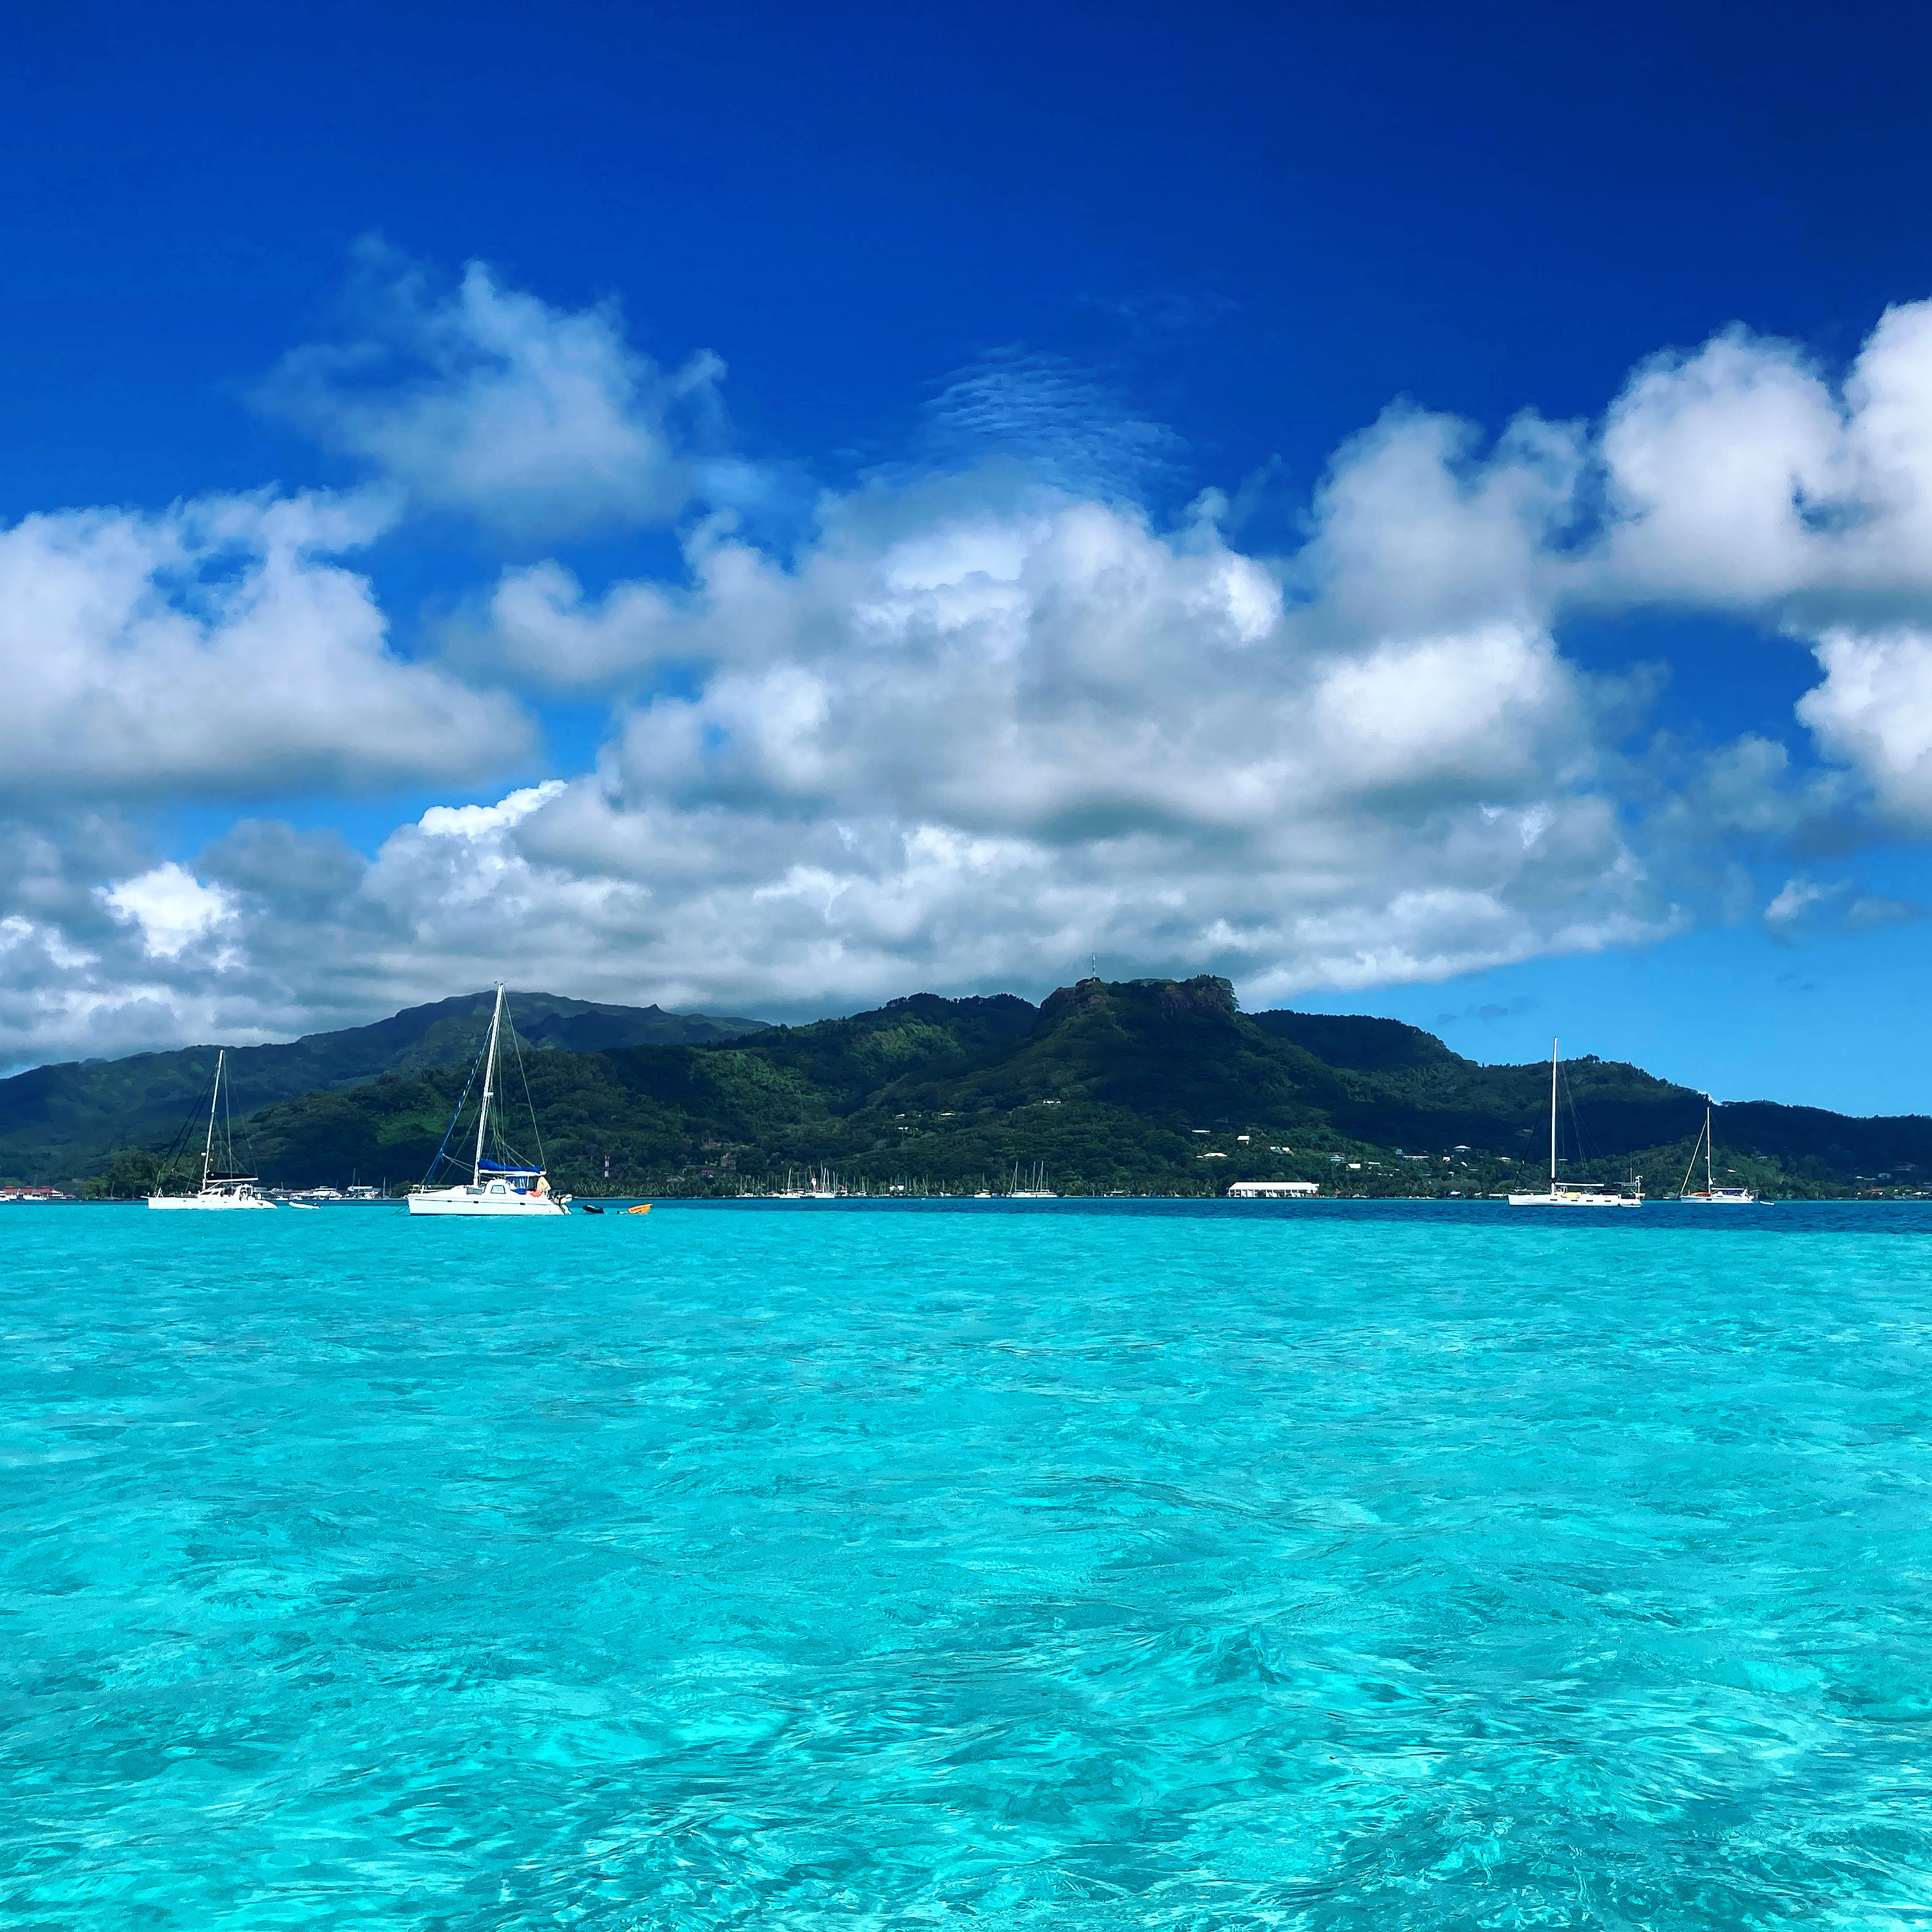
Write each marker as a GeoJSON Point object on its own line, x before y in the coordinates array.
{"type": "Point", "coordinates": [973, 734]}
{"type": "Point", "coordinates": [219, 648]}
{"type": "Point", "coordinates": [171, 907]}
{"type": "Point", "coordinates": [977, 724]}
{"type": "Point", "coordinates": [486, 400]}
{"type": "Point", "coordinates": [1874, 711]}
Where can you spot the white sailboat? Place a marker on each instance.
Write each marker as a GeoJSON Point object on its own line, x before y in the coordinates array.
{"type": "Point", "coordinates": [1709, 1194]}
{"type": "Point", "coordinates": [503, 1187]}
{"type": "Point", "coordinates": [222, 1191]}
{"type": "Point", "coordinates": [1573, 1193]}
{"type": "Point", "coordinates": [821, 1184]}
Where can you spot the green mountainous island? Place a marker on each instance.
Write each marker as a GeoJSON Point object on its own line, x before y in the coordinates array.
{"type": "Point", "coordinates": [66, 1120]}
{"type": "Point", "coordinates": [1158, 1087]}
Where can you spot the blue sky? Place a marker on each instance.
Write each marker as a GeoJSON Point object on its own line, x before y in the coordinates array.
{"type": "Point", "coordinates": [740, 474]}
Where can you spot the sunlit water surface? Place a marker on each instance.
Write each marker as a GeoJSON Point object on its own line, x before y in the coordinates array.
{"type": "Point", "coordinates": [1056, 1566]}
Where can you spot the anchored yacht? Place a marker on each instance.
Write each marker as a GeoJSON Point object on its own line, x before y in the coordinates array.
{"type": "Point", "coordinates": [1710, 1196]}
{"type": "Point", "coordinates": [503, 1185]}
{"type": "Point", "coordinates": [220, 1190]}
{"type": "Point", "coordinates": [1574, 1193]}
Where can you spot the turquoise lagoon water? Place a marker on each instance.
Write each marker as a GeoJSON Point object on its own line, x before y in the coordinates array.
{"type": "Point", "coordinates": [796, 1567]}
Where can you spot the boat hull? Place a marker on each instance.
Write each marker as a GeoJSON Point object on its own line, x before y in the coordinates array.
{"type": "Point", "coordinates": [1575, 1201]}
{"type": "Point", "coordinates": [469, 1204]}
{"type": "Point", "coordinates": [218, 1203]}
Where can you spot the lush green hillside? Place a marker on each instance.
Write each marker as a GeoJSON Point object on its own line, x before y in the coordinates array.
{"type": "Point", "coordinates": [63, 1120]}
{"type": "Point", "coordinates": [1149, 1086]}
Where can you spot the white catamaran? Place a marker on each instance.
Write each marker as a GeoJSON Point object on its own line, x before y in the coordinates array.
{"type": "Point", "coordinates": [501, 1185]}
{"type": "Point", "coordinates": [222, 1190]}
{"type": "Point", "coordinates": [1573, 1193]}
{"type": "Point", "coordinates": [1710, 1196]}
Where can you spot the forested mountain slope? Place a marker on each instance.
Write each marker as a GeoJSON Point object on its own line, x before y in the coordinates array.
{"type": "Point", "coordinates": [1151, 1085]}
{"type": "Point", "coordinates": [61, 1119]}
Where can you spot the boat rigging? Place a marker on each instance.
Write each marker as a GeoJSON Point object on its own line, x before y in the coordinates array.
{"type": "Point", "coordinates": [1710, 1195]}
{"type": "Point", "coordinates": [1574, 1193]}
{"type": "Point", "coordinates": [219, 1189]}
{"type": "Point", "coordinates": [502, 1183]}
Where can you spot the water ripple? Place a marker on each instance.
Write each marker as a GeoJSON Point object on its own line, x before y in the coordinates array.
{"type": "Point", "coordinates": [1196, 1569]}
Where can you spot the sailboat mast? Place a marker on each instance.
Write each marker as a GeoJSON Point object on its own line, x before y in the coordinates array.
{"type": "Point", "coordinates": [1707, 1143]}
{"type": "Point", "coordinates": [213, 1101]}
{"type": "Point", "coordinates": [1552, 1116]}
{"type": "Point", "coordinates": [489, 1083]}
